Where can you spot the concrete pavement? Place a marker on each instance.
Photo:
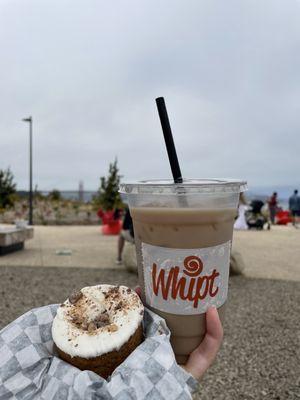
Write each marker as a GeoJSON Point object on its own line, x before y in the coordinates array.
{"type": "Point", "coordinates": [89, 248]}
{"type": "Point", "coordinates": [273, 254]}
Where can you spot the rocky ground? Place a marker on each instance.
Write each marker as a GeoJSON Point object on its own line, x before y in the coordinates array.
{"type": "Point", "coordinates": [260, 357]}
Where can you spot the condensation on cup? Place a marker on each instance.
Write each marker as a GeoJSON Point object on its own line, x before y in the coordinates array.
{"type": "Point", "coordinates": [183, 235]}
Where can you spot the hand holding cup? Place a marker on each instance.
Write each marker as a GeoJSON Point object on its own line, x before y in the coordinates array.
{"type": "Point", "coordinates": [204, 355]}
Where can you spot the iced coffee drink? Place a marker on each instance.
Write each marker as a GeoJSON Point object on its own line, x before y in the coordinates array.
{"type": "Point", "coordinates": [183, 236]}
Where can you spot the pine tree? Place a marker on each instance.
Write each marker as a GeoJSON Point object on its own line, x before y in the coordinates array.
{"type": "Point", "coordinates": [7, 188]}
{"type": "Point", "coordinates": [108, 197]}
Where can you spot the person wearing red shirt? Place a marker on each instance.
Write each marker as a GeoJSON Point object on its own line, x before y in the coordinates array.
{"type": "Point", "coordinates": [273, 205]}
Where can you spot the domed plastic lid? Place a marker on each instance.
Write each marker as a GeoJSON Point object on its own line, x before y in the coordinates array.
{"type": "Point", "coordinates": [188, 186]}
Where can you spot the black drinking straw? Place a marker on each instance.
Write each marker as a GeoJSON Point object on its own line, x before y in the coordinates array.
{"type": "Point", "coordinates": [165, 124]}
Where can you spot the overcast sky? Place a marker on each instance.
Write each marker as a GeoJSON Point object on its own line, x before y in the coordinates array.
{"type": "Point", "coordinates": [89, 72]}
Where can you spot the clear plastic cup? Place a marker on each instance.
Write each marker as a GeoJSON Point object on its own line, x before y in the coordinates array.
{"type": "Point", "coordinates": [183, 235]}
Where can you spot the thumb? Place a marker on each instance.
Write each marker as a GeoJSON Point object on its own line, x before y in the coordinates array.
{"type": "Point", "coordinates": [203, 356]}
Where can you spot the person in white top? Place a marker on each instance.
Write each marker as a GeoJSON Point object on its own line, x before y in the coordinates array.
{"type": "Point", "coordinates": [240, 222]}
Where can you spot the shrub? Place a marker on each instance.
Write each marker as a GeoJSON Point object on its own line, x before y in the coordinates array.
{"type": "Point", "coordinates": [7, 188]}
{"type": "Point", "coordinates": [54, 195]}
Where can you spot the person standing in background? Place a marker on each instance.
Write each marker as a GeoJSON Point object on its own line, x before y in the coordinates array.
{"type": "Point", "coordinates": [272, 202]}
{"type": "Point", "coordinates": [126, 234]}
{"type": "Point", "coordinates": [294, 206]}
{"type": "Point", "coordinates": [240, 222]}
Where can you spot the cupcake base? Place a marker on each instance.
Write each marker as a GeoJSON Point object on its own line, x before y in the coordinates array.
{"type": "Point", "coordinates": [105, 364]}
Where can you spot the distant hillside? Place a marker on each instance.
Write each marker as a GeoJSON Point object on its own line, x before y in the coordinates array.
{"type": "Point", "coordinates": [284, 192]}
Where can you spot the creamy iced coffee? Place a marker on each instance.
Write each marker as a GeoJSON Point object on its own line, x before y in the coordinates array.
{"type": "Point", "coordinates": [183, 239]}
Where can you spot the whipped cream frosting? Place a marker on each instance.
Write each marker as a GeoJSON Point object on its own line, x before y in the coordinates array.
{"type": "Point", "coordinates": [97, 320]}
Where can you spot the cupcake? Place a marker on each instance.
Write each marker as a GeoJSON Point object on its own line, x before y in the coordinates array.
{"type": "Point", "coordinates": [98, 327]}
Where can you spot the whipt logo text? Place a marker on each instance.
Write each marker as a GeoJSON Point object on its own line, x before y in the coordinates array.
{"type": "Point", "coordinates": [191, 286]}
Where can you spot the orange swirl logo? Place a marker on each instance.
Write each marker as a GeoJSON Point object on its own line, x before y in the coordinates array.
{"type": "Point", "coordinates": [193, 266]}
{"type": "Point", "coordinates": [172, 284]}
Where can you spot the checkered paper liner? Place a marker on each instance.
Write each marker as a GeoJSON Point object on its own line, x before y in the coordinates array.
{"type": "Point", "coordinates": [30, 369]}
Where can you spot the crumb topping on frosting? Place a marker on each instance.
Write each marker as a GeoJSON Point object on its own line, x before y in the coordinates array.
{"type": "Point", "coordinates": [96, 320]}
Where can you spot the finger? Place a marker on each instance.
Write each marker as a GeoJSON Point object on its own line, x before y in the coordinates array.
{"type": "Point", "coordinates": [211, 343]}
{"type": "Point", "coordinates": [213, 324]}
{"type": "Point", "coordinates": [203, 356]}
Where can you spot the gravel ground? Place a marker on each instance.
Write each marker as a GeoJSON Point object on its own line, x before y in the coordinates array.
{"type": "Point", "coordinates": [260, 357]}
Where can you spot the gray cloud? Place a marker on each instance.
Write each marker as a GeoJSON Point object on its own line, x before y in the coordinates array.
{"type": "Point", "coordinates": [89, 72]}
